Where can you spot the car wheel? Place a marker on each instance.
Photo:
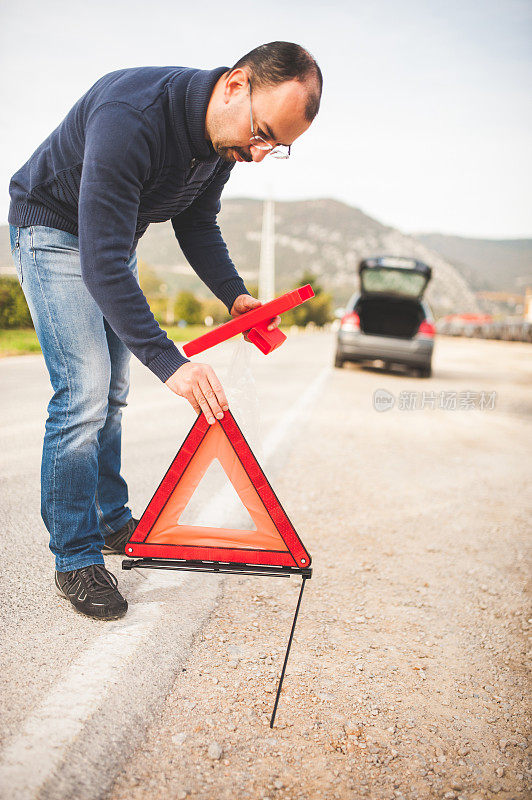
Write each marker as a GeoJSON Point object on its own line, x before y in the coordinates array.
{"type": "Point", "coordinates": [338, 361]}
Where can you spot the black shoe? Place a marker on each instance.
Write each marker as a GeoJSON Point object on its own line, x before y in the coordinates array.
{"type": "Point", "coordinates": [116, 542]}
{"type": "Point", "coordinates": [92, 591]}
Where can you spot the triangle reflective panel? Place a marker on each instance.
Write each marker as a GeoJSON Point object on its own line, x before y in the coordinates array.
{"type": "Point", "coordinates": [159, 533]}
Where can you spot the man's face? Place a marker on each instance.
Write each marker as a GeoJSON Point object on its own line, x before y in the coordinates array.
{"type": "Point", "coordinates": [278, 116]}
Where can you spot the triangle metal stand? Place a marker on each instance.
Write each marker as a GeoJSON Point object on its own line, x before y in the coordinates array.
{"type": "Point", "coordinates": [235, 569]}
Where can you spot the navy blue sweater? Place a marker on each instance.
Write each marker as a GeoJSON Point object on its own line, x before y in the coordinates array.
{"type": "Point", "coordinates": [133, 151]}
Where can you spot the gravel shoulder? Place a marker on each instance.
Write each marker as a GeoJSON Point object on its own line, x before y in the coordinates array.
{"type": "Point", "coordinates": [408, 671]}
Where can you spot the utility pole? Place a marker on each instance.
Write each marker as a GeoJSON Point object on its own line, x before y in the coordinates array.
{"type": "Point", "coordinates": [267, 253]}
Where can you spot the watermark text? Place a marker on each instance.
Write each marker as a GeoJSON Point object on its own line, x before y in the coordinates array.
{"type": "Point", "coordinates": [466, 400]}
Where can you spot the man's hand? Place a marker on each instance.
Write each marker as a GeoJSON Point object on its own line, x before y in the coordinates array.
{"type": "Point", "coordinates": [244, 302]}
{"type": "Point", "coordinates": [198, 384]}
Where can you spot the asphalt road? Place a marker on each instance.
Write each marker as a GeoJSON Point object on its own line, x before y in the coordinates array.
{"type": "Point", "coordinates": [78, 695]}
{"type": "Point", "coordinates": [409, 672]}
{"type": "Point", "coordinates": [75, 690]}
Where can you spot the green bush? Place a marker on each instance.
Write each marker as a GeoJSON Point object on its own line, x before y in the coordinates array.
{"type": "Point", "coordinates": [317, 310]}
{"type": "Point", "coordinates": [149, 281]}
{"type": "Point", "coordinates": [159, 307]}
{"type": "Point", "coordinates": [188, 308]}
{"type": "Point", "coordinates": [14, 312]}
{"type": "Point", "coordinates": [215, 309]}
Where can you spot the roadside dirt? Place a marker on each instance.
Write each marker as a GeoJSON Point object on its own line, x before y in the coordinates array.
{"type": "Point", "coordinates": [407, 676]}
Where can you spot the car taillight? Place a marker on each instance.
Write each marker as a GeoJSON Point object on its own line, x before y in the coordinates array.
{"type": "Point", "coordinates": [426, 329]}
{"type": "Point", "coordinates": [350, 322]}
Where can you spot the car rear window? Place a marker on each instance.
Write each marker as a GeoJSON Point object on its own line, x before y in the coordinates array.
{"type": "Point", "coordinates": [393, 281]}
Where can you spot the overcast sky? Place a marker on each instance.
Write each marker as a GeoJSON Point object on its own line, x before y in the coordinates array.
{"type": "Point", "coordinates": [426, 117]}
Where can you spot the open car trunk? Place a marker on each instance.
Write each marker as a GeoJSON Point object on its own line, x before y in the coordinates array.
{"type": "Point", "coordinates": [390, 316]}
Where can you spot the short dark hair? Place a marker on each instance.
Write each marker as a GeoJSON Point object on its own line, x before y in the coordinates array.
{"type": "Point", "coordinates": [277, 62]}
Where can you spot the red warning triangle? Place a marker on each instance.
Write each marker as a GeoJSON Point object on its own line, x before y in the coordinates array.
{"type": "Point", "coordinates": [159, 533]}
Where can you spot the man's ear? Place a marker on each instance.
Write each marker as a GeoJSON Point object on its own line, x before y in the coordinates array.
{"type": "Point", "coordinates": [236, 84]}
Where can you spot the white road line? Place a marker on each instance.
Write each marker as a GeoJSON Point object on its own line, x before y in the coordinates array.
{"type": "Point", "coordinates": [38, 749]}
{"type": "Point", "coordinates": [293, 416]}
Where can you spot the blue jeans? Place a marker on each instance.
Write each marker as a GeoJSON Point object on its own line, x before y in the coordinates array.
{"type": "Point", "coordinates": [83, 496]}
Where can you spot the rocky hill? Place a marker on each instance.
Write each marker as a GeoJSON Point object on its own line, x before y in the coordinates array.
{"type": "Point", "coordinates": [325, 236]}
{"type": "Point", "coordinates": [492, 264]}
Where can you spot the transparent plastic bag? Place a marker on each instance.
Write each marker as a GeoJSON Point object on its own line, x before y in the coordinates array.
{"type": "Point", "coordinates": [241, 391]}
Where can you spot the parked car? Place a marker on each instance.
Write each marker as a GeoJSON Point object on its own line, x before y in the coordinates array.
{"type": "Point", "coordinates": [388, 320]}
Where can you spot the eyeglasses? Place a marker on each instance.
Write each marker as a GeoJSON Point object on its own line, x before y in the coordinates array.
{"type": "Point", "coordinates": [277, 151]}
